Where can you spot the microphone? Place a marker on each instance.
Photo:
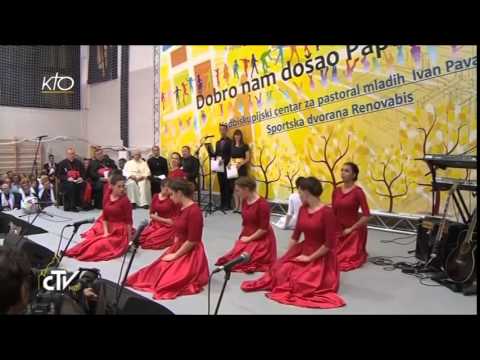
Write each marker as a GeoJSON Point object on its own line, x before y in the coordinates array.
{"type": "Point", "coordinates": [244, 257]}
{"type": "Point", "coordinates": [41, 137]}
{"type": "Point", "coordinates": [77, 224]}
{"type": "Point", "coordinates": [136, 238]}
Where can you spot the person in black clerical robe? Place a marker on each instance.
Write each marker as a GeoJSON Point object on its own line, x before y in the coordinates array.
{"type": "Point", "coordinates": [190, 165]}
{"type": "Point", "coordinates": [98, 172]}
{"type": "Point", "coordinates": [71, 174]}
{"type": "Point", "coordinates": [158, 166]}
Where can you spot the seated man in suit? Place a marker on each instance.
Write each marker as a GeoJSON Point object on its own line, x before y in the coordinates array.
{"type": "Point", "coordinates": [51, 168]}
{"type": "Point", "coordinates": [138, 185]}
{"type": "Point", "coordinates": [8, 199]}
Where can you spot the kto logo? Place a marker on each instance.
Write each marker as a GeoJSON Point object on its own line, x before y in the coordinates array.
{"type": "Point", "coordinates": [57, 83]}
{"type": "Point", "coordinates": [58, 281]}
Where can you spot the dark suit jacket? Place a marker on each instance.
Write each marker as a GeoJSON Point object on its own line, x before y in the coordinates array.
{"type": "Point", "coordinates": [225, 152]}
{"type": "Point", "coordinates": [65, 165]}
{"type": "Point", "coordinates": [95, 165]}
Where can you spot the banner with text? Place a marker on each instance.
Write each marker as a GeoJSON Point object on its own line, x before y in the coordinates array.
{"type": "Point", "coordinates": [305, 110]}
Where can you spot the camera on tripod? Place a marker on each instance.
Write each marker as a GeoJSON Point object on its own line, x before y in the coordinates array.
{"type": "Point", "coordinates": [57, 291]}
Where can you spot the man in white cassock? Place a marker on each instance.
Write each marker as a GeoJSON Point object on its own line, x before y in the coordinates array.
{"type": "Point", "coordinates": [137, 172]}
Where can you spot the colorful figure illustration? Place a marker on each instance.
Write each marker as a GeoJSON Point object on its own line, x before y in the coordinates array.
{"type": "Point", "coordinates": [199, 84]}
{"type": "Point", "coordinates": [190, 84]}
{"type": "Point", "coordinates": [365, 63]}
{"type": "Point", "coordinates": [456, 50]}
{"type": "Point", "coordinates": [259, 100]}
{"type": "Point", "coordinates": [416, 52]}
{"type": "Point", "coordinates": [432, 53]}
{"type": "Point", "coordinates": [263, 59]}
{"type": "Point", "coordinates": [235, 69]}
{"type": "Point", "coordinates": [254, 65]}
{"type": "Point", "coordinates": [162, 98]}
{"type": "Point", "coordinates": [350, 68]}
{"type": "Point", "coordinates": [324, 76]}
{"type": "Point", "coordinates": [184, 91]}
{"type": "Point", "coordinates": [245, 66]}
{"type": "Point", "coordinates": [400, 56]}
{"type": "Point", "coordinates": [269, 97]}
{"type": "Point", "coordinates": [307, 52]}
{"type": "Point", "coordinates": [294, 51]}
{"type": "Point", "coordinates": [280, 55]}
{"type": "Point", "coordinates": [226, 74]}
{"type": "Point", "coordinates": [217, 76]}
{"type": "Point", "coordinates": [312, 83]}
{"type": "Point", "coordinates": [335, 75]}
{"type": "Point", "coordinates": [177, 95]}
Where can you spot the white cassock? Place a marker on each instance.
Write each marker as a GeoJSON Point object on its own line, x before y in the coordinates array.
{"type": "Point", "coordinates": [138, 192]}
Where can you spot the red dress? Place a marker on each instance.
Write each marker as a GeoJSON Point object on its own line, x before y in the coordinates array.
{"type": "Point", "coordinates": [97, 227]}
{"type": "Point", "coordinates": [158, 235]}
{"type": "Point", "coordinates": [186, 275]}
{"type": "Point", "coordinates": [263, 251]}
{"type": "Point", "coordinates": [313, 284]}
{"type": "Point", "coordinates": [177, 174]}
{"type": "Point", "coordinates": [351, 249]}
{"type": "Point", "coordinates": [95, 247]}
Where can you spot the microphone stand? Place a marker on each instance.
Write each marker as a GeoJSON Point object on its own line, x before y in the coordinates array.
{"type": "Point", "coordinates": [62, 253]}
{"type": "Point", "coordinates": [34, 165]}
{"type": "Point", "coordinates": [199, 178]}
{"type": "Point", "coordinates": [135, 244]}
{"type": "Point", "coordinates": [227, 277]}
{"type": "Point", "coordinates": [210, 208]}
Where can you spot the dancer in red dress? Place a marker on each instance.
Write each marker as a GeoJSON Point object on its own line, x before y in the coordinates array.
{"type": "Point", "coordinates": [117, 228]}
{"type": "Point", "coordinates": [183, 267]}
{"type": "Point", "coordinates": [307, 275]}
{"type": "Point", "coordinates": [352, 233]}
{"type": "Point", "coordinates": [160, 232]}
{"type": "Point", "coordinates": [97, 227]}
{"type": "Point", "coordinates": [176, 172]}
{"type": "Point", "coordinates": [257, 237]}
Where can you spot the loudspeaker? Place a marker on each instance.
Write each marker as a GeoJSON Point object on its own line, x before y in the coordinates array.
{"type": "Point", "coordinates": [426, 234]}
{"type": "Point", "coordinates": [38, 255]}
{"type": "Point", "coordinates": [130, 303]}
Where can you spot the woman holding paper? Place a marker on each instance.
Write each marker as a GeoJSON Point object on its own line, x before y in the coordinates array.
{"type": "Point", "coordinates": [239, 160]}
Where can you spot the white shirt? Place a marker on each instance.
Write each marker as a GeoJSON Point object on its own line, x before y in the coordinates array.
{"type": "Point", "coordinates": [7, 201]}
{"type": "Point", "coordinates": [294, 204]}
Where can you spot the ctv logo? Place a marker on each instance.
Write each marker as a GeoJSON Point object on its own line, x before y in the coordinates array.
{"type": "Point", "coordinates": [57, 84]}
{"type": "Point", "coordinates": [57, 280]}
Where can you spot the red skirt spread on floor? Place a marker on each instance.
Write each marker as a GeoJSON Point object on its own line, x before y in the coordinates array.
{"type": "Point", "coordinates": [263, 251]}
{"type": "Point", "coordinates": [185, 275]}
{"type": "Point", "coordinates": [95, 246]}
{"type": "Point", "coordinates": [313, 284]}
{"type": "Point", "coordinates": [351, 248]}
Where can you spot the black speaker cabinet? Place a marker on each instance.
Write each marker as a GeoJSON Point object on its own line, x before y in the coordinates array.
{"type": "Point", "coordinates": [38, 255]}
{"type": "Point", "coordinates": [426, 234]}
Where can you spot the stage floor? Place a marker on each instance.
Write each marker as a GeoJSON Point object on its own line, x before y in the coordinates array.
{"type": "Point", "coordinates": [369, 290]}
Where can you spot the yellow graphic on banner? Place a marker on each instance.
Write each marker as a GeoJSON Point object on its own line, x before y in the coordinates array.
{"type": "Point", "coordinates": [305, 110]}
